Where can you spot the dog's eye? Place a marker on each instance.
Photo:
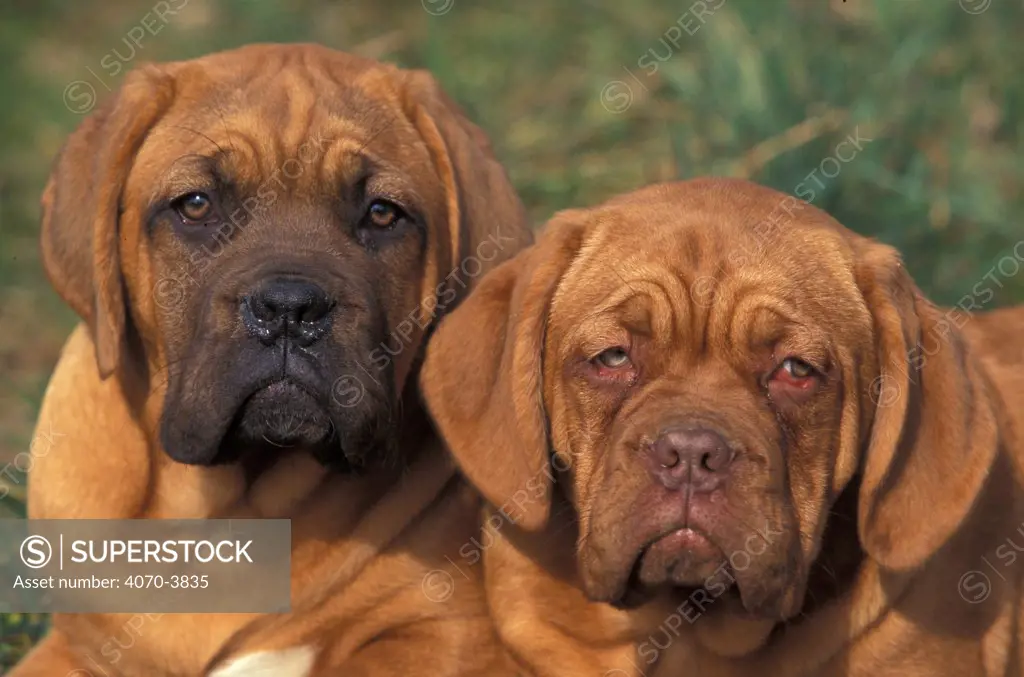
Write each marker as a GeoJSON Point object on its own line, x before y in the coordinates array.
{"type": "Point", "coordinates": [194, 207]}
{"type": "Point", "coordinates": [611, 366]}
{"type": "Point", "coordinates": [613, 358]}
{"type": "Point", "coordinates": [384, 214]}
{"type": "Point", "coordinates": [793, 382]}
{"type": "Point", "coordinates": [794, 370]}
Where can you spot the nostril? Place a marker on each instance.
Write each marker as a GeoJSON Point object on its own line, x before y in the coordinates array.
{"type": "Point", "coordinates": [317, 308]}
{"type": "Point", "coordinates": [255, 307]}
{"type": "Point", "coordinates": [718, 458]}
{"type": "Point", "coordinates": [665, 452]}
{"type": "Point", "coordinates": [707, 463]}
{"type": "Point", "coordinates": [271, 306]}
{"type": "Point", "coordinates": [261, 310]}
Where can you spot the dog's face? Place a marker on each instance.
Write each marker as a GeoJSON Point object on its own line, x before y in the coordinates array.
{"type": "Point", "coordinates": [706, 364]}
{"type": "Point", "coordinates": [290, 222]}
{"type": "Point", "coordinates": [694, 372]}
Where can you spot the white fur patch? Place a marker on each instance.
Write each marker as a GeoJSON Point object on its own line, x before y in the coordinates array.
{"type": "Point", "coordinates": [294, 662]}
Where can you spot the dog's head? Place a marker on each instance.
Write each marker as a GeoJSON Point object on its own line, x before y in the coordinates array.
{"type": "Point", "coordinates": [708, 366]}
{"type": "Point", "coordinates": [273, 232]}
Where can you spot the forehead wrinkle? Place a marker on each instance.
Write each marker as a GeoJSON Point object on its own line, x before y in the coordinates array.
{"type": "Point", "coordinates": [188, 172]}
{"type": "Point", "coordinates": [252, 146]}
{"type": "Point", "coordinates": [342, 159]}
{"type": "Point", "coordinates": [665, 292]}
{"type": "Point", "coordinates": [242, 161]}
{"type": "Point", "coordinates": [193, 135]}
{"type": "Point", "coordinates": [391, 182]}
{"type": "Point", "coordinates": [580, 263]}
{"type": "Point", "coordinates": [348, 145]}
{"type": "Point", "coordinates": [637, 289]}
{"type": "Point", "coordinates": [586, 330]}
{"type": "Point", "coordinates": [344, 167]}
{"type": "Point", "coordinates": [678, 250]}
{"type": "Point", "coordinates": [731, 321]}
{"type": "Point", "coordinates": [301, 107]}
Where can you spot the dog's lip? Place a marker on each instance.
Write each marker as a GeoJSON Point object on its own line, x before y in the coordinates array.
{"type": "Point", "coordinates": [278, 379]}
{"type": "Point", "coordinates": [282, 387]}
{"type": "Point", "coordinates": [686, 535]}
{"type": "Point", "coordinates": [697, 543]}
{"type": "Point", "coordinates": [676, 540]}
{"type": "Point", "coordinates": [687, 539]}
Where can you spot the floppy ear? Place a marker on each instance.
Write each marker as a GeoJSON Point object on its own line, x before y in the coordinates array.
{"type": "Point", "coordinates": [482, 378]}
{"type": "Point", "coordinates": [934, 436]}
{"type": "Point", "coordinates": [486, 220]}
{"type": "Point", "coordinates": [81, 204]}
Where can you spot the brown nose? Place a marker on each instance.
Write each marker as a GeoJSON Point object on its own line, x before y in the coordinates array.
{"type": "Point", "coordinates": [699, 457]}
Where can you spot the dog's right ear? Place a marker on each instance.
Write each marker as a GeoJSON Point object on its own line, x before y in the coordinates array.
{"type": "Point", "coordinates": [935, 436]}
{"type": "Point", "coordinates": [483, 207]}
{"type": "Point", "coordinates": [81, 205]}
{"type": "Point", "coordinates": [482, 378]}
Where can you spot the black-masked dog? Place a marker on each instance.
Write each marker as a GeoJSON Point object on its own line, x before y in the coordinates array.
{"type": "Point", "coordinates": [259, 243]}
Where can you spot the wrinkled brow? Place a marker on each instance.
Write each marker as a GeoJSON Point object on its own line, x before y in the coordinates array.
{"type": "Point", "coordinates": [192, 171]}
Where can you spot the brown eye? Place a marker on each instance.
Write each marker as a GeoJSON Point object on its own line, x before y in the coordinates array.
{"type": "Point", "coordinates": [194, 207]}
{"type": "Point", "coordinates": [384, 214]}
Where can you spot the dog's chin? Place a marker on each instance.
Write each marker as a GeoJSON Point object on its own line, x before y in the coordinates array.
{"type": "Point", "coordinates": [280, 416]}
{"type": "Point", "coordinates": [678, 562]}
{"type": "Point", "coordinates": [266, 422]}
{"type": "Point", "coordinates": [681, 558]}
{"type": "Point", "coordinates": [686, 564]}
{"type": "Point", "coordinates": [269, 415]}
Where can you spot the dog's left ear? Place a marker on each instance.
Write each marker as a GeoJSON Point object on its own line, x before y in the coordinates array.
{"type": "Point", "coordinates": [482, 379]}
{"type": "Point", "coordinates": [486, 220]}
{"type": "Point", "coordinates": [934, 435]}
{"type": "Point", "coordinates": [81, 208]}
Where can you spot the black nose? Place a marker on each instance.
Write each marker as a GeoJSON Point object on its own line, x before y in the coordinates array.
{"type": "Point", "coordinates": [696, 456]}
{"type": "Point", "coordinates": [288, 307]}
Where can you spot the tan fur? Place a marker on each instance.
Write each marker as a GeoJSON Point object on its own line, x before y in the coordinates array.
{"type": "Point", "coordinates": [361, 544]}
{"type": "Point", "coordinates": [865, 499]}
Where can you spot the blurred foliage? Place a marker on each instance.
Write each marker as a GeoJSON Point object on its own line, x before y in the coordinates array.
{"type": "Point", "coordinates": [760, 89]}
{"type": "Point", "coordinates": [18, 632]}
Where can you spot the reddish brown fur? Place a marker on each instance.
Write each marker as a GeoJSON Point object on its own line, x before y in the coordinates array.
{"type": "Point", "coordinates": [863, 510]}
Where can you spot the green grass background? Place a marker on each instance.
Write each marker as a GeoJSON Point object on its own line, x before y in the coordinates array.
{"type": "Point", "coordinates": [763, 89]}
